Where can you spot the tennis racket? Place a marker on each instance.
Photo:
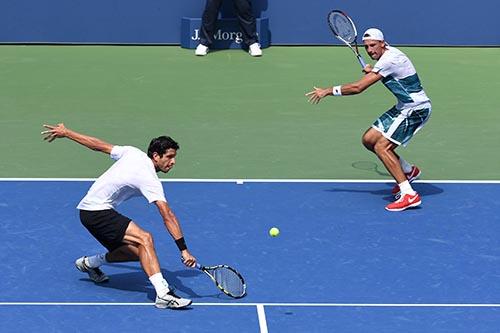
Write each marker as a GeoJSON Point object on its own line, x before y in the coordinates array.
{"type": "Point", "coordinates": [226, 278]}
{"type": "Point", "coordinates": [344, 29]}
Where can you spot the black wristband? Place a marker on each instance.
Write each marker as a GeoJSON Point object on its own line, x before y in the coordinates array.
{"type": "Point", "coordinates": [181, 244]}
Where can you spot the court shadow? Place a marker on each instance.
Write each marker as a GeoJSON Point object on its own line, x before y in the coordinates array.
{"type": "Point", "coordinates": [137, 281]}
{"type": "Point", "coordinates": [369, 166]}
{"type": "Point", "coordinates": [385, 192]}
{"type": "Point", "coordinates": [424, 189]}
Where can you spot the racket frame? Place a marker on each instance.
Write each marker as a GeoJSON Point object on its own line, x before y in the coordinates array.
{"type": "Point", "coordinates": [354, 48]}
{"type": "Point", "coordinates": [207, 269]}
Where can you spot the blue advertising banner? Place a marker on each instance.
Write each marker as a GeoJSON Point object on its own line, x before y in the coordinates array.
{"type": "Point", "coordinates": [290, 22]}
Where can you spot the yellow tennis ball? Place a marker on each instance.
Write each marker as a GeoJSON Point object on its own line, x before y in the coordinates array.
{"type": "Point", "coordinates": [273, 232]}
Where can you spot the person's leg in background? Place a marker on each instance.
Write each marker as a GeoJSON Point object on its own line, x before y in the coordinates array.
{"type": "Point", "coordinates": [248, 26]}
{"type": "Point", "coordinates": [208, 24]}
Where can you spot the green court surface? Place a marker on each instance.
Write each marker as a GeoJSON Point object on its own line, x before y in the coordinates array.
{"type": "Point", "coordinates": [240, 117]}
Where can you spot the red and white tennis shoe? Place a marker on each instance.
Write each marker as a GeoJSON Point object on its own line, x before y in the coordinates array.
{"type": "Point", "coordinates": [406, 201]}
{"type": "Point", "coordinates": [411, 176]}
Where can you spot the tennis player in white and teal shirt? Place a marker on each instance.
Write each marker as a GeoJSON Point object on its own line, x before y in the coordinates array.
{"type": "Point", "coordinates": [398, 125]}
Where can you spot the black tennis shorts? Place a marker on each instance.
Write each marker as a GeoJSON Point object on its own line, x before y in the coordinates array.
{"type": "Point", "coordinates": [107, 226]}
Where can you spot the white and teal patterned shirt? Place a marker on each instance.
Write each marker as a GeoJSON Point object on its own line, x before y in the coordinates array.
{"type": "Point", "coordinates": [401, 79]}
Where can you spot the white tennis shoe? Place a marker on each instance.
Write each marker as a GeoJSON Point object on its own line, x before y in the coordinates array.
{"type": "Point", "coordinates": [172, 301]}
{"type": "Point", "coordinates": [201, 50]}
{"type": "Point", "coordinates": [95, 274]}
{"type": "Point", "coordinates": [255, 50]}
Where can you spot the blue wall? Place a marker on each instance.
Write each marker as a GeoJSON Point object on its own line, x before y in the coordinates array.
{"type": "Point", "coordinates": [422, 22]}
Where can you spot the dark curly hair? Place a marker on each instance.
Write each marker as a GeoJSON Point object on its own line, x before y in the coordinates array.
{"type": "Point", "coordinates": [161, 144]}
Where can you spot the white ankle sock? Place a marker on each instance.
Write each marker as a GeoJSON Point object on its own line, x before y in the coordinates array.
{"type": "Point", "coordinates": [405, 165]}
{"type": "Point", "coordinates": [406, 188]}
{"type": "Point", "coordinates": [160, 284]}
{"type": "Point", "coordinates": [96, 261]}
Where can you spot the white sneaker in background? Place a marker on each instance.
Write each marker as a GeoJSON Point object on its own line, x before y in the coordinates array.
{"type": "Point", "coordinates": [255, 50]}
{"type": "Point", "coordinates": [201, 50]}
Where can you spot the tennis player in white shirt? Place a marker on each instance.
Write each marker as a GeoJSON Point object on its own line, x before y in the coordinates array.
{"type": "Point", "coordinates": [400, 123]}
{"type": "Point", "coordinates": [133, 174]}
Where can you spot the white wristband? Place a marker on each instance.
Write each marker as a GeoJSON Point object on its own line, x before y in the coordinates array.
{"type": "Point", "coordinates": [337, 91]}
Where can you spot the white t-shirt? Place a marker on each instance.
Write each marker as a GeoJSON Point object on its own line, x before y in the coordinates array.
{"type": "Point", "coordinates": [133, 174]}
{"type": "Point", "coordinates": [401, 78]}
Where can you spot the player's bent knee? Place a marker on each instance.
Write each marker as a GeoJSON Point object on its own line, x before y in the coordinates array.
{"type": "Point", "coordinates": [136, 235]}
{"type": "Point", "coordinates": [369, 144]}
{"type": "Point", "coordinates": [147, 239]}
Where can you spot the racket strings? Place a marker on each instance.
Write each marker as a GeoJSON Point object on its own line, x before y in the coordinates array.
{"type": "Point", "coordinates": [342, 26]}
{"type": "Point", "coordinates": [229, 281]}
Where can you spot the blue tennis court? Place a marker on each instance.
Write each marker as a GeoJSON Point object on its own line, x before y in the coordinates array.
{"type": "Point", "coordinates": [341, 263]}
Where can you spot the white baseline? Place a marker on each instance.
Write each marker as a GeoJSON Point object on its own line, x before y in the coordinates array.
{"type": "Point", "coordinates": [242, 180]}
{"type": "Point", "coordinates": [362, 305]}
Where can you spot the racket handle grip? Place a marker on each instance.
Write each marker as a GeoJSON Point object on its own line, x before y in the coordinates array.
{"type": "Point", "coordinates": [361, 62]}
{"type": "Point", "coordinates": [198, 266]}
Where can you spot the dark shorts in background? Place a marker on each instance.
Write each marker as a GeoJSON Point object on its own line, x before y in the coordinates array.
{"type": "Point", "coordinates": [107, 226]}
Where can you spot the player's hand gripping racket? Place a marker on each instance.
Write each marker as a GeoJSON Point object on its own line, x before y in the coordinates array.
{"type": "Point", "coordinates": [226, 278]}
{"type": "Point", "coordinates": [344, 29]}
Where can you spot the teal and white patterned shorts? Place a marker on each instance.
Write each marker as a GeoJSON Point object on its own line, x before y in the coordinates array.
{"type": "Point", "coordinates": [399, 126]}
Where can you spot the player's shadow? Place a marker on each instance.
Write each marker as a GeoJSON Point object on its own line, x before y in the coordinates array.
{"type": "Point", "coordinates": [369, 166]}
{"type": "Point", "coordinates": [424, 189]}
{"type": "Point", "coordinates": [137, 281]}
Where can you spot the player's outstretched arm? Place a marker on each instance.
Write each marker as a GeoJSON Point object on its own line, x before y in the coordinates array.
{"type": "Point", "coordinates": [175, 231]}
{"type": "Point", "coordinates": [354, 88]}
{"type": "Point", "coordinates": [60, 131]}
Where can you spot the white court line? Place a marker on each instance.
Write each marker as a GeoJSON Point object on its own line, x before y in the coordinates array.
{"type": "Point", "coordinates": [262, 318]}
{"type": "Point", "coordinates": [361, 305]}
{"type": "Point", "coordinates": [214, 180]}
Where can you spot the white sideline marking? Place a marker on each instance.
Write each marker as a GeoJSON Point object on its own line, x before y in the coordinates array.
{"type": "Point", "coordinates": [208, 180]}
{"type": "Point", "coordinates": [361, 305]}
{"type": "Point", "coordinates": [262, 318]}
